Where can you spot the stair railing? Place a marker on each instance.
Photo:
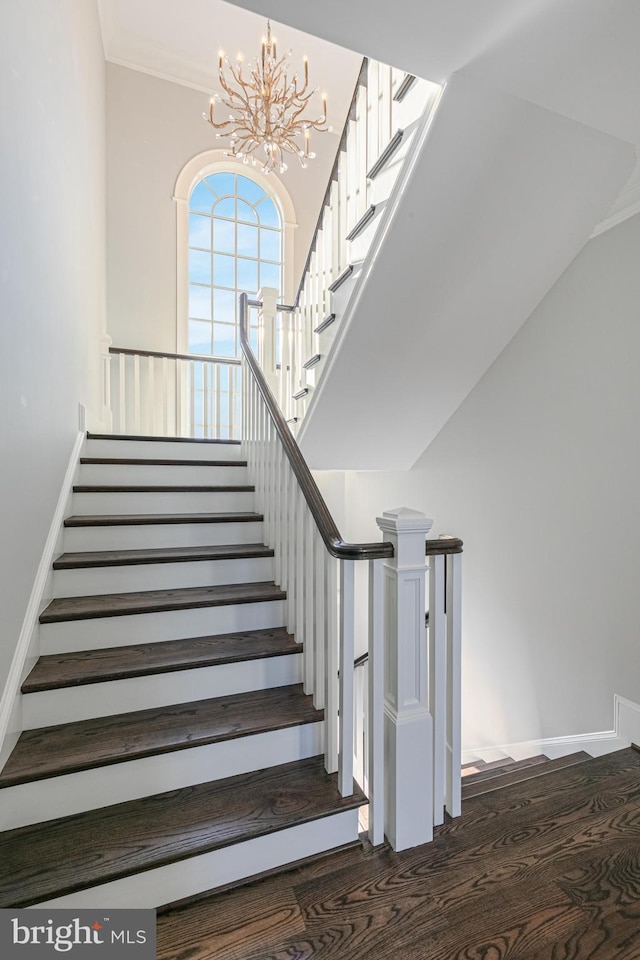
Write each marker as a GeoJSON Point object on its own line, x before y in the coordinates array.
{"type": "Point", "coordinates": [174, 394]}
{"type": "Point", "coordinates": [388, 728]}
{"type": "Point", "coordinates": [316, 568]}
{"type": "Point", "coordinates": [386, 108]}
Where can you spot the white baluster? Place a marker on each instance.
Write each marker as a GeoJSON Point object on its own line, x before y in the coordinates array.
{"type": "Point", "coordinates": [376, 702]}
{"type": "Point", "coordinates": [292, 551]}
{"type": "Point", "coordinates": [347, 624]}
{"type": "Point", "coordinates": [309, 603]}
{"type": "Point", "coordinates": [284, 516]}
{"type": "Point", "coordinates": [407, 721]}
{"type": "Point", "coordinates": [301, 584]}
{"type": "Point", "coordinates": [136, 394]}
{"type": "Point", "coordinates": [278, 519]}
{"type": "Point", "coordinates": [331, 695]}
{"type": "Point", "coordinates": [151, 398]}
{"type": "Point", "coordinates": [122, 394]}
{"type": "Point", "coordinates": [320, 619]}
{"type": "Point", "coordinates": [437, 681]}
{"type": "Point", "coordinates": [453, 784]}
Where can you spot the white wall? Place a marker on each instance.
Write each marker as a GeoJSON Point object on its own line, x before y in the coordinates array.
{"type": "Point", "coordinates": [153, 128]}
{"type": "Point", "coordinates": [52, 186]}
{"type": "Point", "coordinates": [538, 471]}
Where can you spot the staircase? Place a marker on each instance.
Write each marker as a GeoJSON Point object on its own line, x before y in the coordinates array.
{"type": "Point", "coordinates": [168, 747]}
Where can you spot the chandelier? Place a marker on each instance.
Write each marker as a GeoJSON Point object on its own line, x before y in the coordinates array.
{"type": "Point", "coordinates": [268, 109]}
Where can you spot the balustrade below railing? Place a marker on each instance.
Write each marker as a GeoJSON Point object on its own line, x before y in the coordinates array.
{"type": "Point", "coordinates": [174, 395]}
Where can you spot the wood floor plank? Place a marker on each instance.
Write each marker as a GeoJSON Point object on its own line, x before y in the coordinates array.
{"type": "Point", "coordinates": [43, 861]}
{"type": "Point", "coordinates": [121, 558]}
{"type": "Point", "coordinates": [85, 744]}
{"type": "Point", "coordinates": [157, 601]}
{"type": "Point", "coordinates": [149, 519]}
{"type": "Point", "coordinates": [241, 922]}
{"type": "Point", "coordinates": [145, 659]}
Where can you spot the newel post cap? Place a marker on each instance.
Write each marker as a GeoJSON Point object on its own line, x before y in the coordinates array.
{"type": "Point", "coordinates": [404, 520]}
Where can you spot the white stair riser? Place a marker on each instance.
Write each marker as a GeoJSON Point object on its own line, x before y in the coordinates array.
{"type": "Point", "coordinates": [143, 536]}
{"type": "Point", "coordinates": [104, 786]}
{"type": "Point", "coordinates": [126, 473]}
{"type": "Point", "coordinates": [190, 877]}
{"type": "Point", "coordinates": [110, 503]}
{"type": "Point", "coordinates": [163, 450]}
{"type": "Point", "coordinates": [71, 635]}
{"type": "Point", "coordinates": [160, 576]}
{"type": "Point", "coordinates": [50, 707]}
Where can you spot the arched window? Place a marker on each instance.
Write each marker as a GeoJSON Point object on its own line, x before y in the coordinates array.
{"type": "Point", "coordinates": [235, 241]}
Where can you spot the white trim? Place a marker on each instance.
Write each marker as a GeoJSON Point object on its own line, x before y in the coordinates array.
{"type": "Point", "coordinates": [627, 205]}
{"type": "Point", "coordinates": [626, 730]}
{"type": "Point", "coordinates": [616, 218]}
{"type": "Point", "coordinates": [27, 648]}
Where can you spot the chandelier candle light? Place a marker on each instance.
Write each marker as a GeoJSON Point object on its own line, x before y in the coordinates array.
{"type": "Point", "coordinates": [268, 109]}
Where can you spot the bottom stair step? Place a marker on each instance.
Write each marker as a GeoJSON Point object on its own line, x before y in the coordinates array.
{"type": "Point", "coordinates": [520, 774]}
{"type": "Point", "coordinates": [55, 861]}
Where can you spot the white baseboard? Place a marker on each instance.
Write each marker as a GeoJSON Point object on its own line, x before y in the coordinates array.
{"type": "Point", "coordinates": [626, 730]}
{"type": "Point", "coordinates": [27, 648]}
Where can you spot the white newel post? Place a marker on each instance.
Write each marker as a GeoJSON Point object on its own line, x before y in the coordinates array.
{"type": "Point", "coordinates": [268, 358]}
{"type": "Point", "coordinates": [408, 726]}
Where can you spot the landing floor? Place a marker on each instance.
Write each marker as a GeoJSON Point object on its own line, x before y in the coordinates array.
{"type": "Point", "coordinates": [543, 870]}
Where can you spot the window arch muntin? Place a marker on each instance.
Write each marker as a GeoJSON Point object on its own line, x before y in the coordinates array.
{"type": "Point", "coordinates": [235, 245]}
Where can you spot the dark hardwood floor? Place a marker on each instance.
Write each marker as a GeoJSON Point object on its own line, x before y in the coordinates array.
{"type": "Point", "coordinates": [546, 869]}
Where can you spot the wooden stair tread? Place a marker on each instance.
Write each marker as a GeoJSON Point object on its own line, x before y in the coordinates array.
{"type": "Point", "coordinates": [145, 462]}
{"type": "Point", "coordinates": [86, 744]}
{"type": "Point", "coordinates": [158, 601]}
{"type": "Point", "coordinates": [138, 660]}
{"type": "Point", "coordinates": [123, 558]}
{"type": "Point", "coordinates": [502, 767]}
{"type": "Point", "coordinates": [133, 436]}
{"type": "Point", "coordinates": [60, 857]}
{"type": "Point", "coordinates": [162, 488]}
{"type": "Point", "coordinates": [142, 519]}
{"type": "Point", "coordinates": [519, 776]}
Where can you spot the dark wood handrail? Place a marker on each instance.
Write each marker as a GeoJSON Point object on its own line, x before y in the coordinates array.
{"type": "Point", "coordinates": [443, 546]}
{"type": "Point", "coordinates": [327, 528]}
{"type": "Point", "coordinates": [206, 358]}
{"type": "Point", "coordinates": [360, 82]}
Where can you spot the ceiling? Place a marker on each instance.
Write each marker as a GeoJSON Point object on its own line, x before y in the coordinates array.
{"type": "Point", "coordinates": [179, 40]}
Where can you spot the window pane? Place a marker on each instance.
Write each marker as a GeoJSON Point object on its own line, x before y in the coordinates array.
{"type": "Point", "coordinates": [224, 236]}
{"type": "Point", "coordinates": [249, 189]}
{"type": "Point", "coordinates": [201, 198]}
{"type": "Point", "coordinates": [268, 214]}
{"type": "Point", "coordinates": [197, 368]}
{"type": "Point", "coordinates": [247, 240]}
{"type": "Point", "coordinates": [223, 270]}
{"type": "Point", "coordinates": [199, 266]}
{"type": "Point", "coordinates": [222, 183]}
{"type": "Point", "coordinates": [199, 302]}
{"type": "Point", "coordinates": [270, 275]}
{"type": "Point", "coordinates": [270, 245]}
{"type": "Point", "coordinates": [199, 337]}
{"type": "Point", "coordinates": [226, 208]}
{"type": "Point", "coordinates": [199, 231]}
{"type": "Point", "coordinates": [224, 340]}
{"type": "Point", "coordinates": [246, 213]}
{"type": "Point", "coordinates": [224, 409]}
{"type": "Point", "coordinates": [247, 275]}
{"type": "Point", "coordinates": [223, 377]}
{"type": "Point", "coordinates": [224, 306]}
